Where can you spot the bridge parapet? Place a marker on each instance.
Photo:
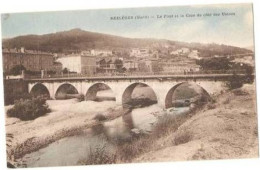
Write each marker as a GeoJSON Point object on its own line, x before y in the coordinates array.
{"type": "Point", "coordinates": [215, 77]}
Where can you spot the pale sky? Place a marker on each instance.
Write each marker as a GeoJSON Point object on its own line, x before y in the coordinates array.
{"type": "Point", "coordinates": [231, 30]}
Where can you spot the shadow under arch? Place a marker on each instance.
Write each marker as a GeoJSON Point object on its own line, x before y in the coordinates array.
{"type": "Point", "coordinates": [40, 89]}
{"type": "Point", "coordinates": [169, 100]}
{"type": "Point", "coordinates": [92, 92]}
{"type": "Point", "coordinates": [66, 91]}
{"type": "Point", "coordinates": [127, 96]}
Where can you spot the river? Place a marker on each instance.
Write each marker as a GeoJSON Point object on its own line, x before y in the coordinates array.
{"type": "Point", "coordinates": [70, 150]}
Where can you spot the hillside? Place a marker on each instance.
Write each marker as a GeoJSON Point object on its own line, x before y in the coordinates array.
{"type": "Point", "coordinates": [77, 39]}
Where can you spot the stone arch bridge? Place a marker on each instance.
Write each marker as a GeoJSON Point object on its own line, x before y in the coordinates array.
{"type": "Point", "coordinates": [122, 87]}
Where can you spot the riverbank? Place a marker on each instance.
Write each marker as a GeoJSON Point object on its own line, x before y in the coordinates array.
{"type": "Point", "coordinates": [68, 117]}
{"type": "Point", "coordinates": [226, 129]}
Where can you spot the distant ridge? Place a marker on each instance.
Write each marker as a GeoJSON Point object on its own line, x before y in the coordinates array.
{"type": "Point", "coordinates": [252, 48]}
{"type": "Point", "coordinates": [78, 39]}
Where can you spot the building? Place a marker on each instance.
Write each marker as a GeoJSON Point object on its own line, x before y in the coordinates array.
{"type": "Point", "coordinates": [149, 65]}
{"type": "Point", "coordinates": [103, 53]}
{"type": "Point", "coordinates": [33, 61]}
{"type": "Point", "coordinates": [249, 60]}
{"type": "Point", "coordinates": [180, 67]}
{"type": "Point", "coordinates": [194, 54]}
{"type": "Point", "coordinates": [79, 63]}
{"type": "Point", "coordinates": [130, 65]}
{"type": "Point", "coordinates": [106, 65]}
{"type": "Point", "coordinates": [181, 51]}
{"type": "Point", "coordinates": [140, 53]}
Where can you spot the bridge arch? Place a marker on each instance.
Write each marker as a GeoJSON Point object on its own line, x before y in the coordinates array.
{"type": "Point", "coordinates": [127, 95]}
{"type": "Point", "coordinates": [66, 90]}
{"type": "Point", "coordinates": [169, 96]}
{"type": "Point", "coordinates": [92, 92]}
{"type": "Point", "coordinates": [39, 89]}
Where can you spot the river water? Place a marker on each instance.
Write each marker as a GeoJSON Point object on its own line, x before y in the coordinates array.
{"type": "Point", "coordinates": [70, 150]}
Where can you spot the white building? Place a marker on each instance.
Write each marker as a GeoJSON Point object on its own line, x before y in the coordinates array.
{"type": "Point", "coordinates": [180, 51]}
{"type": "Point", "coordinates": [78, 63]}
{"type": "Point", "coordinates": [194, 54]}
{"type": "Point", "coordinates": [185, 50]}
{"type": "Point", "coordinates": [71, 62]}
{"type": "Point", "coordinates": [130, 64]}
{"type": "Point", "coordinates": [139, 53]}
{"type": "Point", "coordinates": [101, 52]}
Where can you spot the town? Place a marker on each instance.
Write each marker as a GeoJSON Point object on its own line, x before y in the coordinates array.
{"type": "Point", "coordinates": [102, 62]}
{"type": "Point", "coordinates": [96, 62]}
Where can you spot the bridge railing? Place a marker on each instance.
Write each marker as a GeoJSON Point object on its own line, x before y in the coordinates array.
{"type": "Point", "coordinates": [71, 75]}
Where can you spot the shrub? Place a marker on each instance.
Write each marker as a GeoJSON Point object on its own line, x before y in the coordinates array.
{"type": "Point", "coordinates": [165, 123]}
{"type": "Point", "coordinates": [17, 70]}
{"type": "Point", "coordinates": [226, 101]}
{"type": "Point", "coordinates": [183, 137]}
{"type": "Point", "coordinates": [211, 106]}
{"type": "Point", "coordinates": [131, 149]}
{"type": "Point", "coordinates": [29, 109]}
{"type": "Point", "coordinates": [239, 92]}
{"type": "Point", "coordinates": [235, 82]}
{"type": "Point", "coordinates": [81, 98]}
{"type": "Point", "coordinates": [99, 155]}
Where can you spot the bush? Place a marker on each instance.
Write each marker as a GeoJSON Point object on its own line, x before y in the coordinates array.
{"type": "Point", "coordinates": [211, 106]}
{"type": "Point", "coordinates": [17, 70]}
{"type": "Point", "coordinates": [98, 156]}
{"type": "Point", "coordinates": [235, 82]}
{"type": "Point", "coordinates": [131, 149]}
{"type": "Point", "coordinates": [29, 109]}
{"type": "Point", "coordinates": [183, 137]}
{"type": "Point", "coordinates": [239, 92]}
{"type": "Point", "coordinates": [81, 98]}
{"type": "Point", "coordinates": [165, 123]}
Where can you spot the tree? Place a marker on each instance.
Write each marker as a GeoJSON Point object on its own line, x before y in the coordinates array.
{"type": "Point", "coordinates": [17, 70]}
{"type": "Point", "coordinates": [65, 70]}
{"type": "Point", "coordinates": [119, 64]}
{"type": "Point", "coordinates": [234, 82]}
{"type": "Point", "coordinates": [215, 63]}
{"type": "Point", "coordinates": [156, 67]}
{"type": "Point", "coordinates": [122, 70]}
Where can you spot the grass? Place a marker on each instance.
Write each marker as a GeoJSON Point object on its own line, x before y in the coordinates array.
{"type": "Point", "coordinates": [99, 155]}
{"type": "Point", "coordinates": [166, 125]}
{"type": "Point", "coordinates": [129, 150]}
{"type": "Point", "coordinates": [211, 106]}
{"type": "Point", "coordinates": [239, 92]}
{"type": "Point", "coordinates": [184, 137]}
{"type": "Point", "coordinates": [226, 101]}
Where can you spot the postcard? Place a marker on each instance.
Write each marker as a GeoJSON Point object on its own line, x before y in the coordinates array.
{"type": "Point", "coordinates": [130, 85]}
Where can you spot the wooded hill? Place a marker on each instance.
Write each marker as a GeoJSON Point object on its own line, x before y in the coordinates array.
{"type": "Point", "coordinates": [77, 40]}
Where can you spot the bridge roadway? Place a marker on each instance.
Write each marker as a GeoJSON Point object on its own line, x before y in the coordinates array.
{"type": "Point", "coordinates": [144, 77]}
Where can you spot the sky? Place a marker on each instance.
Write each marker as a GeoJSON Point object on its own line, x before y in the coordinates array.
{"type": "Point", "coordinates": [234, 30]}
